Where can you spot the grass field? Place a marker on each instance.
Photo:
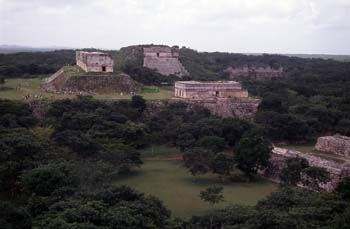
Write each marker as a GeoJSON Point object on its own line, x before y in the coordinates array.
{"type": "Point", "coordinates": [16, 89]}
{"type": "Point", "coordinates": [305, 148]}
{"type": "Point", "coordinates": [179, 191]}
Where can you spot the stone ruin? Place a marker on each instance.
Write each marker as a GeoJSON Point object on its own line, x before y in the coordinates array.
{"type": "Point", "coordinates": [338, 169]}
{"type": "Point", "coordinates": [221, 98]}
{"type": "Point", "coordinates": [254, 72]}
{"type": "Point", "coordinates": [61, 83]}
{"type": "Point", "coordinates": [164, 60]}
{"type": "Point", "coordinates": [209, 89]}
{"type": "Point", "coordinates": [93, 74]}
{"type": "Point", "coordinates": [94, 61]}
{"type": "Point", "coordinates": [337, 144]}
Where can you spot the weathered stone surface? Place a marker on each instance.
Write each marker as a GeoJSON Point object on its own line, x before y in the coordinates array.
{"type": "Point", "coordinates": [60, 82]}
{"type": "Point", "coordinates": [209, 89]}
{"type": "Point", "coordinates": [94, 61]}
{"type": "Point", "coordinates": [336, 144]}
{"type": "Point", "coordinates": [223, 107]}
{"type": "Point", "coordinates": [254, 72]}
{"type": "Point", "coordinates": [338, 170]}
{"type": "Point", "coordinates": [164, 60]}
{"type": "Point", "coordinates": [102, 84]}
{"type": "Point", "coordinates": [54, 82]}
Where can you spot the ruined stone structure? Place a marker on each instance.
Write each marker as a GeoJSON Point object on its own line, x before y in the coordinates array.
{"type": "Point", "coordinates": [163, 59]}
{"type": "Point", "coordinates": [336, 144]}
{"type": "Point", "coordinates": [209, 89]}
{"type": "Point", "coordinates": [224, 107]}
{"type": "Point", "coordinates": [94, 61]}
{"type": "Point", "coordinates": [338, 169]}
{"type": "Point", "coordinates": [258, 73]}
{"type": "Point", "coordinates": [72, 82]}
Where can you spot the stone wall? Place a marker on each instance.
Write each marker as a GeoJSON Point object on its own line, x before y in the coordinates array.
{"type": "Point", "coordinates": [254, 72]}
{"type": "Point", "coordinates": [338, 170]}
{"type": "Point", "coordinates": [226, 107]}
{"type": "Point", "coordinates": [164, 60]}
{"type": "Point", "coordinates": [54, 82]}
{"type": "Point", "coordinates": [336, 144]}
{"type": "Point", "coordinates": [209, 89]}
{"type": "Point", "coordinates": [61, 82]}
{"type": "Point", "coordinates": [101, 84]}
{"type": "Point", "coordinates": [94, 61]}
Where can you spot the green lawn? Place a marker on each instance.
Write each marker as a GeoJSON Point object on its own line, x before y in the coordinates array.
{"type": "Point", "coordinates": [18, 88]}
{"type": "Point", "coordinates": [179, 191]}
{"type": "Point", "coordinates": [159, 151]}
{"type": "Point", "coordinates": [305, 148]}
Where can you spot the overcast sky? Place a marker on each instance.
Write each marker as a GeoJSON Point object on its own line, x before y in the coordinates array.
{"type": "Point", "coordinates": [270, 26]}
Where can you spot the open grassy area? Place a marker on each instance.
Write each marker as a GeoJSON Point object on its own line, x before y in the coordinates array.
{"type": "Point", "coordinates": [19, 88]}
{"type": "Point", "coordinates": [305, 148]}
{"type": "Point", "coordinates": [170, 182]}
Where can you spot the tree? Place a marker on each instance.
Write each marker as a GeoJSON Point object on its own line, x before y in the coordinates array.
{"type": "Point", "coordinates": [314, 177]}
{"type": "Point", "coordinates": [212, 143]}
{"type": "Point", "coordinates": [197, 160]}
{"type": "Point", "coordinates": [253, 152]}
{"type": "Point", "coordinates": [138, 102]}
{"type": "Point", "coordinates": [44, 180]}
{"type": "Point", "coordinates": [212, 195]}
{"type": "Point", "coordinates": [184, 141]}
{"type": "Point", "coordinates": [292, 172]}
{"type": "Point", "coordinates": [343, 188]}
{"type": "Point", "coordinates": [222, 164]}
{"type": "Point", "coordinates": [14, 217]}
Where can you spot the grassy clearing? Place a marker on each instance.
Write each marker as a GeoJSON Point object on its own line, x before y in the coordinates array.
{"type": "Point", "coordinates": [304, 148]}
{"type": "Point", "coordinates": [160, 151]}
{"type": "Point", "coordinates": [16, 89]}
{"type": "Point", "coordinates": [179, 191]}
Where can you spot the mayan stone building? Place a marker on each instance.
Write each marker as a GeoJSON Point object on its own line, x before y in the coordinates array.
{"type": "Point", "coordinates": [209, 89]}
{"type": "Point", "coordinates": [94, 61]}
{"type": "Point", "coordinates": [163, 59]}
{"type": "Point", "coordinates": [254, 72]}
{"type": "Point", "coordinates": [336, 144]}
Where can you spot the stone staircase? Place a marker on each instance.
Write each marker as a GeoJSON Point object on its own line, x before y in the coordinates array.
{"type": "Point", "coordinates": [165, 66]}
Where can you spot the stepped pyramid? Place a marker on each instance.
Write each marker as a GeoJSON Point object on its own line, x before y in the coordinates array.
{"type": "Point", "coordinates": [164, 60]}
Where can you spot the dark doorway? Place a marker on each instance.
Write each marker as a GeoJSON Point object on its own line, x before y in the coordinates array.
{"type": "Point", "coordinates": [158, 54]}
{"type": "Point", "coordinates": [216, 93]}
{"type": "Point", "coordinates": [103, 68]}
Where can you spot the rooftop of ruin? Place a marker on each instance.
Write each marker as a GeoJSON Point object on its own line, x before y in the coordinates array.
{"type": "Point", "coordinates": [208, 83]}
{"type": "Point", "coordinates": [93, 53]}
{"type": "Point", "coordinates": [157, 49]}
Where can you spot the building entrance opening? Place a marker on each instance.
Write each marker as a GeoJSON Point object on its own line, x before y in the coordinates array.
{"type": "Point", "coordinates": [103, 68]}
{"type": "Point", "coordinates": [216, 93]}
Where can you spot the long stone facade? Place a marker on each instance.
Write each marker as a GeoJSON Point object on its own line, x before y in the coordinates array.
{"type": "Point", "coordinates": [337, 144]}
{"type": "Point", "coordinates": [94, 61]}
{"type": "Point", "coordinates": [254, 72]}
{"type": "Point", "coordinates": [338, 169]}
{"type": "Point", "coordinates": [164, 60]}
{"type": "Point", "coordinates": [209, 89]}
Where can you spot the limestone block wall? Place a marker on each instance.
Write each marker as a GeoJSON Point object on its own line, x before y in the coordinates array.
{"type": "Point", "coordinates": [54, 82]}
{"type": "Point", "coordinates": [165, 66]}
{"type": "Point", "coordinates": [101, 84]}
{"type": "Point", "coordinates": [94, 61]}
{"type": "Point", "coordinates": [336, 144]}
{"type": "Point", "coordinates": [253, 72]}
{"type": "Point", "coordinates": [238, 108]}
{"type": "Point", "coordinates": [337, 170]}
{"type": "Point", "coordinates": [211, 89]}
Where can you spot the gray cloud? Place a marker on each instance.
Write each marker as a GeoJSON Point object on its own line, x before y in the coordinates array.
{"type": "Point", "coordinates": [284, 26]}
